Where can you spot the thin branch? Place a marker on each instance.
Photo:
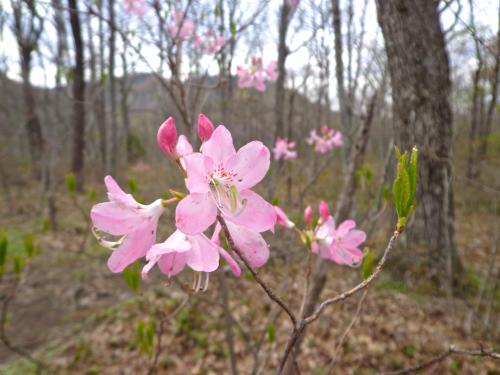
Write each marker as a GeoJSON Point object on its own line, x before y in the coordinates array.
{"type": "Point", "coordinates": [257, 278]}
{"type": "Point", "coordinates": [481, 352]}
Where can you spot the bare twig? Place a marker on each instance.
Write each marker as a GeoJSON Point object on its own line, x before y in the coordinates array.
{"type": "Point", "coordinates": [257, 278]}
{"type": "Point", "coordinates": [452, 350]}
{"type": "Point", "coordinates": [346, 332]}
{"type": "Point", "coordinates": [296, 335]}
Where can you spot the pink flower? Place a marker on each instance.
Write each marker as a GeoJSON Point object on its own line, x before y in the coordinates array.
{"type": "Point", "coordinates": [205, 127]}
{"type": "Point", "coordinates": [282, 219]}
{"type": "Point", "coordinates": [123, 216]}
{"type": "Point", "coordinates": [174, 147]}
{"type": "Point", "coordinates": [181, 250]}
{"type": "Point", "coordinates": [325, 142]}
{"type": "Point", "coordinates": [308, 215]}
{"type": "Point", "coordinates": [180, 28]}
{"type": "Point", "coordinates": [282, 149]}
{"type": "Point", "coordinates": [272, 71]}
{"type": "Point", "coordinates": [214, 43]}
{"type": "Point", "coordinates": [219, 179]}
{"type": "Point", "coordinates": [233, 265]}
{"type": "Point", "coordinates": [324, 211]}
{"type": "Point", "coordinates": [340, 245]}
{"type": "Point", "coordinates": [136, 7]}
{"type": "Point", "coordinates": [255, 76]}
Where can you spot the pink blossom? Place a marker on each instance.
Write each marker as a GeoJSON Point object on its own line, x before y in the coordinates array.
{"type": "Point", "coordinates": [123, 216]}
{"type": "Point", "coordinates": [255, 76]}
{"type": "Point", "coordinates": [215, 42]}
{"type": "Point", "coordinates": [282, 149]}
{"type": "Point", "coordinates": [282, 219]}
{"type": "Point", "coordinates": [272, 71]}
{"type": "Point", "coordinates": [324, 210]}
{"type": "Point", "coordinates": [136, 7]}
{"type": "Point", "coordinates": [180, 28]}
{"type": "Point", "coordinates": [326, 141]}
{"type": "Point", "coordinates": [174, 147]}
{"type": "Point", "coordinates": [219, 180]}
{"type": "Point", "coordinates": [233, 265]}
{"type": "Point", "coordinates": [180, 250]}
{"type": "Point", "coordinates": [205, 127]}
{"type": "Point", "coordinates": [340, 245]}
{"type": "Point", "coordinates": [308, 215]}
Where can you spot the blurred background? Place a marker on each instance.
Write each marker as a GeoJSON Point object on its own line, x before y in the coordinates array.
{"type": "Point", "coordinates": [84, 86]}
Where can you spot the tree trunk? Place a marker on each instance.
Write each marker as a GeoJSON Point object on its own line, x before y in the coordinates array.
{"type": "Point", "coordinates": [33, 126]}
{"type": "Point", "coordinates": [100, 97]}
{"type": "Point", "coordinates": [77, 161]}
{"type": "Point", "coordinates": [420, 78]}
{"type": "Point", "coordinates": [279, 109]}
{"type": "Point", "coordinates": [113, 157]}
{"type": "Point", "coordinates": [339, 73]}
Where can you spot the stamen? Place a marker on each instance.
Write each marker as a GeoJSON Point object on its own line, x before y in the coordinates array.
{"type": "Point", "coordinates": [105, 243]}
{"type": "Point", "coordinates": [198, 285]}
{"type": "Point", "coordinates": [205, 287]}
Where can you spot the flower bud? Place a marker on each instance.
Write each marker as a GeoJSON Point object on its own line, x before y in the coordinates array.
{"type": "Point", "coordinates": [282, 219]}
{"type": "Point", "coordinates": [167, 137]}
{"type": "Point", "coordinates": [308, 215]}
{"type": "Point", "coordinates": [205, 127]}
{"type": "Point", "coordinates": [324, 211]}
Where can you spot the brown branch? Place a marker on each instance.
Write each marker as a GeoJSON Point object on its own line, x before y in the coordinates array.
{"type": "Point", "coordinates": [481, 352]}
{"type": "Point", "coordinates": [296, 335]}
{"type": "Point", "coordinates": [257, 278]}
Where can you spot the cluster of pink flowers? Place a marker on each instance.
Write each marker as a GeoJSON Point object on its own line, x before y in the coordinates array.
{"type": "Point", "coordinates": [181, 27]}
{"type": "Point", "coordinates": [337, 244]}
{"type": "Point", "coordinates": [135, 7]}
{"type": "Point", "coordinates": [326, 140]}
{"type": "Point", "coordinates": [256, 75]}
{"type": "Point", "coordinates": [211, 43]}
{"type": "Point", "coordinates": [283, 149]}
{"type": "Point", "coordinates": [219, 180]}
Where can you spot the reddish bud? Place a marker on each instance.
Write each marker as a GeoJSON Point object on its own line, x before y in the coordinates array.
{"type": "Point", "coordinates": [324, 211]}
{"type": "Point", "coordinates": [167, 137]}
{"type": "Point", "coordinates": [205, 127]}
{"type": "Point", "coordinates": [308, 215]}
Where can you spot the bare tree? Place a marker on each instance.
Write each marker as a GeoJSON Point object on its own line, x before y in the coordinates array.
{"type": "Point", "coordinates": [77, 161]}
{"type": "Point", "coordinates": [27, 28]}
{"type": "Point", "coordinates": [419, 70]}
{"type": "Point", "coordinates": [113, 152]}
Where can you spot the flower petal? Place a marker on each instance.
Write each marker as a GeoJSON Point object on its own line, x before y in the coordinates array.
{"type": "Point", "coordinates": [353, 239]}
{"type": "Point", "coordinates": [220, 145]}
{"type": "Point", "coordinates": [204, 255]}
{"type": "Point", "coordinates": [251, 164]}
{"type": "Point", "coordinates": [173, 263]}
{"type": "Point", "coordinates": [196, 173]}
{"type": "Point", "coordinates": [233, 265]}
{"type": "Point", "coordinates": [116, 194]}
{"type": "Point", "coordinates": [195, 213]}
{"type": "Point", "coordinates": [134, 247]}
{"type": "Point", "coordinates": [345, 227]}
{"type": "Point", "coordinates": [113, 218]}
{"type": "Point", "coordinates": [258, 215]}
{"type": "Point", "coordinates": [251, 244]}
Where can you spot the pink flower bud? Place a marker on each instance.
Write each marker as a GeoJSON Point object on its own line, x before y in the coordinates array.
{"type": "Point", "coordinates": [324, 211]}
{"type": "Point", "coordinates": [167, 137]}
{"type": "Point", "coordinates": [308, 215]}
{"type": "Point", "coordinates": [205, 127]}
{"type": "Point", "coordinates": [282, 219]}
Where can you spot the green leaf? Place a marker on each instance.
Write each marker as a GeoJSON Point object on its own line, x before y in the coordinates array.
{"type": "Point", "coordinates": [367, 266]}
{"type": "Point", "coordinates": [29, 245]}
{"type": "Point", "coordinates": [232, 28]}
{"type": "Point", "coordinates": [368, 174]}
{"type": "Point", "coordinates": [271, 332]}
{"type": "Point", "coordinates": [412, 172]}
{"type": "Point", "coordinates": [91, 195]}
{"type": "Point", "coordinates": [132, 185]}
{"type": "Point", "coordinates": [18, 264]}
{"type": "Point", "coordinates": [70, 182]}
{"type": "Point", "coordinates": [4, 244]}
{"type": "Point", "coordinates": [132, 277]}
{"type": "Point", "coordinates": [144, 335]}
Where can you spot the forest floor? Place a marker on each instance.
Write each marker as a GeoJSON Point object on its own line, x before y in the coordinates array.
{"type": "Point", "coordinates": [78, 318]}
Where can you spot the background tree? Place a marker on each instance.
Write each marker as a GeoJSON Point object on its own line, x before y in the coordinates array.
{"type": "Point", "coordinates": [420, 79]}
